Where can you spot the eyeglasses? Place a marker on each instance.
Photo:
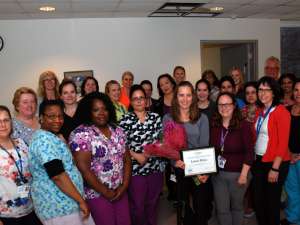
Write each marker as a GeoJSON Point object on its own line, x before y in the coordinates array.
{"type": "Point", "coordinates": [266, 90]}
{"type": "Point", "coordinates": [138, 99]}
{"type": "Point", "coordinates": [225, 105]}
{"type": "Point", "coordinates": [54, 117]}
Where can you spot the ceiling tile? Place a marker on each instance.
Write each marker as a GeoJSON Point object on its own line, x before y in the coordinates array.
{"type": "Point", "coordinates": [44, 1]}
{"type": "Point", "coordinates": [95, 1]}
{"type": "Point", "coordinates": [94, 15]}
{"type": "Point", "coordinates": [185, 1]}
{"type": "Point", "coordinates": [227, 7]}
{"type": "Point", "coordinates": [282, 10]}
{"type": "Point", "coordinates": [132, 14]}
{"type": "Point", "coordinates": [34, 7]}
{"type": "Point", "coordinates": [253, 8]}
{"type": "Point", "coordinates": [135, 6]}
{"type": "Point", "coordinates": [294, 2]}
{"type": "Point", "coordinates": [93, 6]}
{"type": "Point", "coordinates": [51, 15]}
{"type": "Point", "coordinates": [14, 16]}
{"type": "Point", "coordinates": [264, 16]}
{"type": "Point", "coordinates": [240, 2]}
{"type": "Point", "coordinates": [271, 2]}
{"type": "Point", "coordinates": [10, 7]}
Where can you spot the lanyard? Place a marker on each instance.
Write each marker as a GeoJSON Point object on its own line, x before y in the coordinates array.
{"type": "Point", "coordinates": [20, 169]}
{"type": "Point", "coordinates": [261, 120]}
{"type": "Point", "coordinates": [222, 140]}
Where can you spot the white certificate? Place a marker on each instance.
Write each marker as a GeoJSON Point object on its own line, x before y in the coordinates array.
{"type": "Point", "coordinates": [199, 161]}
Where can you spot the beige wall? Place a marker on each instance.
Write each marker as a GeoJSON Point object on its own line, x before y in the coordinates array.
{"type": "Point", "coordinates": [211, 59]}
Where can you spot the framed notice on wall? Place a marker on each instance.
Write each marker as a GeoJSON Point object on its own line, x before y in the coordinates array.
{"type": "Point", "coordinates": [78, 77]}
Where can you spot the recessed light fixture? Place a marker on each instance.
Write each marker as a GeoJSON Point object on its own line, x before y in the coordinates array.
{"type": "Point", "coordinates": [216, 9]}
{"type": "Point", "coordinates": [47, 9]}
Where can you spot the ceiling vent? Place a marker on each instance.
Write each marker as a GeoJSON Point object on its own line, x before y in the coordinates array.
{"type": "Point", "coordinates": [173, 9]}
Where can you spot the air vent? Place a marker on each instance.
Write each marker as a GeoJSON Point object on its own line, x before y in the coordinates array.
{"type": "Point", "coordinates": [173, 9]}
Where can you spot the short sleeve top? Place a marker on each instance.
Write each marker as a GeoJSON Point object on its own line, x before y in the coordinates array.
{"type": "Point", "coordinates": [107, 154]}
{"type": "Point", "coordinates": [139, 134]}
{"type": "Point", "coordinates": [11, 204]}
{"type": "Point", "coordinates": [49, 201]}
{"type": "Point", "coordinates": [20, 130]}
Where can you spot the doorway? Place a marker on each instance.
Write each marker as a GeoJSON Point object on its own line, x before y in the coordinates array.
{"type": "Point", "coordinates": [221, 56]}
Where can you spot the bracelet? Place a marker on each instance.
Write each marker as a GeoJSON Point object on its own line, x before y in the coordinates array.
{"type": "Point", "coordinates": [275, 170]}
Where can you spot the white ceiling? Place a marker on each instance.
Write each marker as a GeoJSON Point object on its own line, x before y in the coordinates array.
{"type": "Point", "coordinates": [29, 9]}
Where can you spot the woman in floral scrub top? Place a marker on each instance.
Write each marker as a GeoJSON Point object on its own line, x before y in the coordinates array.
{"type": "Point", "coordinates": [99, 150]}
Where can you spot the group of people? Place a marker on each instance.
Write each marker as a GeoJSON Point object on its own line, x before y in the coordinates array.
{"type": "Point", "coordinates": [81, 160]}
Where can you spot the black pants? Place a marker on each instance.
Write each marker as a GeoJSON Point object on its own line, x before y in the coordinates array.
{"type": "Point", "coordinates": [30, 219]}
{"type": "Point", "coordinates": [267, 195]}
{"type": "Point", "coordinates": [171, 185]}
{"type": "Point", "coordinates": [196, 200]}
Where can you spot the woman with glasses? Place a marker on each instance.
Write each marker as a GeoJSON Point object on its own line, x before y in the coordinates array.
{"type": "Point", "coordinates": [48, 86]}
{"type": "Point", "coordinates": [143, 127]}
{"type": "Point", "coordinates": [127, 81]}
{"type": "Point", "coordinates": [15, 203]}
{"type": "Point", "coordinates": [232, 139]}
{"type": "Point", "coordinates": [25, 122]}
{"type": "Point", "coordinates": [57, 186]}
{"type": "Point", "coordinates": [270, 169]}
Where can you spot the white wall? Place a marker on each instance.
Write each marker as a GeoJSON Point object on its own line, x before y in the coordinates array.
{"type": "Point", "coordinates": [146, 46]}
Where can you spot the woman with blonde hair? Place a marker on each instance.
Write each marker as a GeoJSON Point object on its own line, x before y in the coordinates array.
{"type": "Point", "coordinates": [113, 90]}
{"type": "Point", "coordinates": [127, 81]}
{"type": "Point", "coordinates": [238, 78]}
{"type": "Point", "coordinates": [48, 86]}
{"type": "Point", "coordinates": [26, 121]}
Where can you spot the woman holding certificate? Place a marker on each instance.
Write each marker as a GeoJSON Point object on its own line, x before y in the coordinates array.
{"type": "Point", "coordinates": [231, 137]}
{"type": "Point", "coordinates": [184, 111]}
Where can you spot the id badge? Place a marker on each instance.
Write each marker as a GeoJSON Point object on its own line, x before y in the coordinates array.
{"type": "Point", "coordinates": [173, 178]}
{"type": "Point", "coordinates": [221, 162]}
{"type": "Point", "coordinates": [23, 190]}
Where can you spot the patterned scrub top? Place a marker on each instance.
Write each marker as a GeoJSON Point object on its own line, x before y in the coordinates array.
{"type": "Point", "coordinates": [49, 201]}
{"type": "Point", "coordinates": [139, 134]}
{"type": "Point", "coordinates": [12, 205]}
{"type": "Point", "coordinates": [107, 154]}
{"type": "Point", "coordinates": [21, 130]}
{"type": "Point", "coordinates": [120, 110]}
